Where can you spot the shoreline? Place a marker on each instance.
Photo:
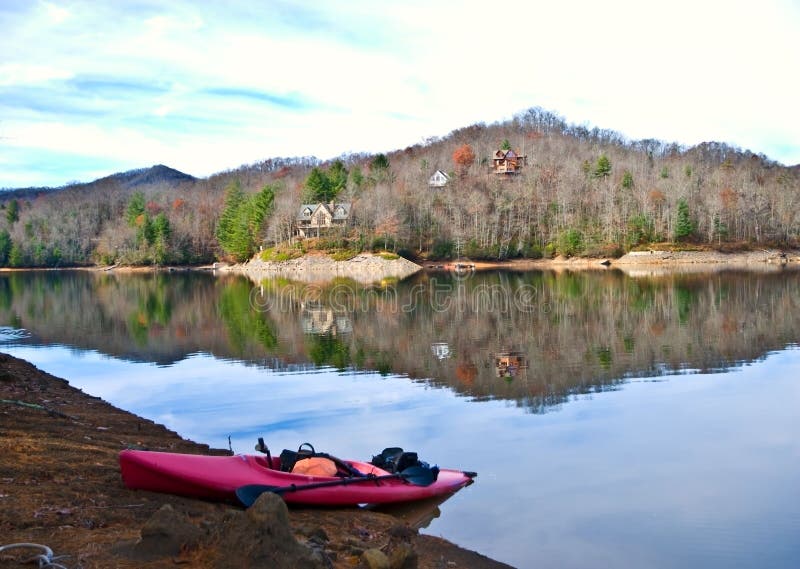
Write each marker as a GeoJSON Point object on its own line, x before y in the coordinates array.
{"type": "Point", "coordinates": [369, 267]}
{"type": "Point", "coordinates": [60, 485]}
{"type": "Point", "coordinates": [650, 258]}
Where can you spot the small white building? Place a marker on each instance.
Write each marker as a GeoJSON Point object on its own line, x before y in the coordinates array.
{"type": "Point", "coordinates": [438, 180]}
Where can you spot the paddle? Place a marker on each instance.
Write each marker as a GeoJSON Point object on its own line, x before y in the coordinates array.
{"type": "Point", "coordinates": [417, 475]}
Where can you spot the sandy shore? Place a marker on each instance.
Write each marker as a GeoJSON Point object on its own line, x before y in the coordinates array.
{"type": "Point", "coordinates": [663, 259]}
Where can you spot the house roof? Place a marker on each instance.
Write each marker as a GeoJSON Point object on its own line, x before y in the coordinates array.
{"type": "Point", "coordinates": [338, 211]}
{"type": "Point", "coordinates": [439, 177]}
{"type": "Point", "coordinates": [505, 154]}
{"type": "Point", "coordinates": [341, 210]}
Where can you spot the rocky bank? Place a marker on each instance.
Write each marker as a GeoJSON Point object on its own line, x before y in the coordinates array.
{"type": "Point", "coordinates": [60, 486]}
{"type": "Point", "coordinates": [313, 268]}
{"type": "Point", "coordinates": [760, 256]}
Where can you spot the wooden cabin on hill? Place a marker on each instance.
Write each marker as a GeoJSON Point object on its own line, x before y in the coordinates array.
{"type": "Point", "coordinates": [312, 219]}
{"type": "Point", "coordinates": [508, 162]}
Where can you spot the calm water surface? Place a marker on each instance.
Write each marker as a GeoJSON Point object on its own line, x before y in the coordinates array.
{"type": "Point", "coordinates": [615, 421]}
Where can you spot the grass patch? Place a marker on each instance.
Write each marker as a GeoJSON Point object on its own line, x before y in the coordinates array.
{"type": "Point", "coordinates": [388, 256]}
{"type": "Point", "coordinates": [274, 254]}
{"type": "Point", "coordinates": [344, 255]}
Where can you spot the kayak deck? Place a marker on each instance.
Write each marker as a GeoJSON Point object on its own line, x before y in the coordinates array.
{"type": "Point", "coordinates": [218, 477]}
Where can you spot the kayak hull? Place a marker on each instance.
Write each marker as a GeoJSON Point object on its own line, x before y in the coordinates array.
{"type": "Point", "coordinates": [218, 477]}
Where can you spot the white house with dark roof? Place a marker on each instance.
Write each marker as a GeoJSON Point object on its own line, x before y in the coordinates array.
{"type": "Point", "coordinates": [438, 180]}
{"type": "Point", "coordinates": [313, 218]}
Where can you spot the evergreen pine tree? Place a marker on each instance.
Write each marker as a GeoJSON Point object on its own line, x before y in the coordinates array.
{"type": "Point", "coordinates": [627, 180]}
{"type": "Point", "coordinates": [135, 208]}
{"type": "Point", "coordinates": [12, 213]}
{"type": "Point", "coordinates": [229, 219]}
{"type": "Point", "coordinates": [684, 226]}
{"type": "Point", "coordinates": [5, 247]}
{"type": "Point", "coordinates": [603, 167]}
{"type": "Point", "coordinates": [317, 187]}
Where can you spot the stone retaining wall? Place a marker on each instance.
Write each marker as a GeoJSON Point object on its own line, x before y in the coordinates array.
{"type": "Point", "coordinates": [708, 257]}
{"type": "Point", "coordinates": [365, 268]}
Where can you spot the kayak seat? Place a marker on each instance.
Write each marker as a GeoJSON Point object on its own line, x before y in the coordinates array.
{"type": "Point", "coordinates": [395, 459]}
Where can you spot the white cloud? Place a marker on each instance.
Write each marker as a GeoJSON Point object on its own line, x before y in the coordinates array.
{"type": "Point", "coordinates": [27, 75]}
{"type": "Point", "coordinates": [55, 14]}
{"type": "Point", "coordinates": [348, 76]}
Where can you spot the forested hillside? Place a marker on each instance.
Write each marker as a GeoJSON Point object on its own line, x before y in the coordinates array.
{"type": "Point", "coordinates": [582, 192]}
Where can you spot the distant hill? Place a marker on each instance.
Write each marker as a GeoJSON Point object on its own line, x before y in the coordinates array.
{"type": "Point", "coordinates": [154, 175]}
{"type": "Point", "coordinates": [158, 174]}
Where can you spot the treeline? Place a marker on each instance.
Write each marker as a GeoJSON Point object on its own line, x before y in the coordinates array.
{"type": "Point", "coordinates": [583, 192]}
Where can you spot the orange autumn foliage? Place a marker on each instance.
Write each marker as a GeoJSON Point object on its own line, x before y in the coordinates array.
{"type": "Point", "coordinates": [464, 156]}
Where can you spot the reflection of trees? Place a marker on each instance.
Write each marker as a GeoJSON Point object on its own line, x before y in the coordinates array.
{"type": "Point", "coordinates": [245, 326]}
{"type": "Point", "coordinates": [152, 317]}
{"type": "Point", "coordinates": [326, 349]}
{"type": "Point", "coordinates": [569, 333]}
{"type": "Point", "coordinates": [584, 331]}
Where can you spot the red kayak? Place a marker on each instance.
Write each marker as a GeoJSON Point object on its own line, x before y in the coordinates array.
{"type": "Point", "coordinates": [218, 478]}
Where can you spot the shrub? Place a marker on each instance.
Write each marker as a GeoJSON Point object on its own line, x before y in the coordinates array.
{"type": "Point", "coordinates": [280, 254]}
{"type": "Point", "coordinates": [442, 249]}
{"type": "Point", "coordinates": [570, 243]}
{"type": "Point", "coordinates": [344, 255]}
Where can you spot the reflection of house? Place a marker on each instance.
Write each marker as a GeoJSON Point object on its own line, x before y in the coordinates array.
{"type": "Point", "coordinates": [318, 319]}
{"type": "Point", "coordinates": [438, 180]}
{"type": "Point", "coordinates": [508, 162]}
{"type": "Point", "coordinates": [508, 364]}
{"type": "Point", "coordinates": [440, 350]}
{"type": "Point", "coordinates": [312, 218]}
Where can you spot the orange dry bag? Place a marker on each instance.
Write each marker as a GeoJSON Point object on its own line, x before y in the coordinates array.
{"type": "Point", "coordinates": [315, 466]}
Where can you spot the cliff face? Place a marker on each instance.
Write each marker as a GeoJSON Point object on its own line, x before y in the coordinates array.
{"type": "Point", "coordinates": [364, 268]}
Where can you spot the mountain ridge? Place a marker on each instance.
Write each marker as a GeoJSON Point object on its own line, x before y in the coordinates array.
{"type": "Point", "coordinates": [130, 179]}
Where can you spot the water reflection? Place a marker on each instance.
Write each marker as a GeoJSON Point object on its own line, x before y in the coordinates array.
{"type": "Point", "coordinates": [697, 472]}
{"type": "Point", "coordinates": [536, 338]}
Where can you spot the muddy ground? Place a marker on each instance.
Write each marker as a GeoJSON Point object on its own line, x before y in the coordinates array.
{"type": "Point", "coordinates": [60, 486]}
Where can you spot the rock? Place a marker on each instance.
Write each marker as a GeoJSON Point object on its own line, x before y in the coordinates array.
{"type": "Point", "coordinates": [402, 531]}
{"type": "Point", "coordinates": [403, 556]}
{"type": "Point", "coordinates": [261, 537]}
{"type": "Point", "coordinates": [313, 533]}
{"type": "Point", "coordinates": [166, 533]}
{"type": "Point", "coordinates": [374, 559]}
{"type": "Point", "coordinates": [401, 551]}
{"type": "Point", "coordinates": [364, 268]}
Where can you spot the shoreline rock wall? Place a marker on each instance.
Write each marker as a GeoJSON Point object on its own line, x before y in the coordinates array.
{"type": "Point", "coordinates": [708, 257]}
{"type": "Point", "coordinates": [365, 268]}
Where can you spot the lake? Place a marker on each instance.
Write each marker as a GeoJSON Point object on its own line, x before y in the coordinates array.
{"type": "Point", "coordinates": [615, 420]}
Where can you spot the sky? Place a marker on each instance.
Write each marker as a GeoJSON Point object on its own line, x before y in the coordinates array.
{"type": "Point", "coordinates": [88, 88]}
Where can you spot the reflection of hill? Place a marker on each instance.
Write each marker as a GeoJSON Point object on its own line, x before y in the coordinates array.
{"type": "Point", "coordinates": [536, 338]}
{"type": "Point", "coordinates": [142, 317]}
